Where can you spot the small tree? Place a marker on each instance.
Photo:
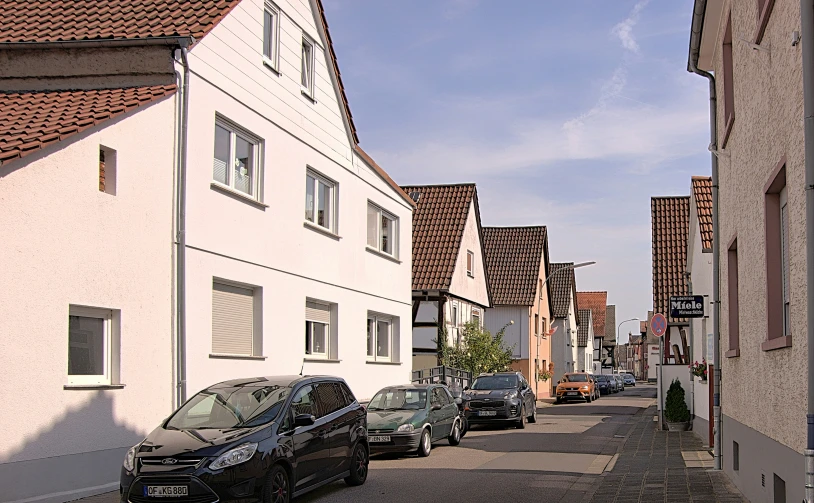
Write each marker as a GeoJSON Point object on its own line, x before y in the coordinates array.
{"type": "Point", "coordinates": [478, 352]}
{"type": "Point", "coordinates": [675, 408]}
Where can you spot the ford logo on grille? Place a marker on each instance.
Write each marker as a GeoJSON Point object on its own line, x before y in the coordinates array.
{"type": "Point", "coordinates": [169, 461]}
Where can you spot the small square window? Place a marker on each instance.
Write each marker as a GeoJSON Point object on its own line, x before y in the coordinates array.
{"type": "Point", "coordinates": [307, 67]}
{"type": "Point", "coordinates": [382, 229]}
{"type": "Point", "coordinates": [320, 336]}
{"type": "Point", "coordinates": [271, 30]}
{"type": "Point", "coordinates": [92, 346]}
{"type": "Point", "coordinates": [237, 328]}
{"type": "Point", "coordinates": [470, 264]}
{"type": "Point", "coordinates": [320, 200]}
{"type": "Point", "coordinates": [382, 338]}
{"type": "Point", "coordinates": [107, 170]}
{"type": "Point", "coordinates": [237, 159]}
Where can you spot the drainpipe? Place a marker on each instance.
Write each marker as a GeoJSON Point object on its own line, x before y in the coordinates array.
{"type": "Point", "coordinates": [807, 39]}
{"type": "Point", "coordinates": [695, 47]}
{"type": "Point", "coordinates": [690, 359]}
{"type": "Point", "coordinates": [181, 239]}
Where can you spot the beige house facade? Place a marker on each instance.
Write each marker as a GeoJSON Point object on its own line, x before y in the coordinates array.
{"type": "Point", "coordinates": [751, 49]}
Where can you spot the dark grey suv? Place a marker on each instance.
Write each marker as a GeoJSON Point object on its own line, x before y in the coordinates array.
{"type": "Point", "coordinates": [503, 397]}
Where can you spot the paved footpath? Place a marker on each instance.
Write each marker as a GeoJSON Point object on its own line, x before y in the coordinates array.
{"type": "Point", "coordinates": [653, 466]}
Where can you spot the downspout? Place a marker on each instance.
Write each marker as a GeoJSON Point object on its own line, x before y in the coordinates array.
{"type": "Point", "coordinates": [691, 358]}
{"type": "Point", "coordinates": [181, 240]}
{"type": "Point", "coordinates": [695, 47]}
{"type": "Point", "coordinates": [807, 39]}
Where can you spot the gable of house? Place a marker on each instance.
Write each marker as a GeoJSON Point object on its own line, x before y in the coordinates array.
{"type": "Point", "coordinates": [596, 303]}
{"type": "Point", "coordinates": [585, 330]}
{"type": "Point", "coordinates": [514, 259]}
{"type": "Point", "coordinates": [670, 219]}
{"type": "Point", "coordinates": [702, 204]}
{"type": "Point", "coordinates": [563, 290]}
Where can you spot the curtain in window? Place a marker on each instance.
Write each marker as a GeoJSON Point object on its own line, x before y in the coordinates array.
{"type": "Point", "coordinates": [372, 226]}
{"type": "Point", "coordinates": [309, 198]}
{"type": "Point", "coordinates": [221, 154]}
{"type": "Point", "coordinates": [244, 165]}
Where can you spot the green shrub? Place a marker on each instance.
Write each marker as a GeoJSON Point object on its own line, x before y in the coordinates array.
{"type": "Point", "coordinates": [675, 408]}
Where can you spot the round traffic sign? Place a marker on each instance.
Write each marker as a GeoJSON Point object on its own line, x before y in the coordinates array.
{"type": "Point", "coordinates": [658, 324]}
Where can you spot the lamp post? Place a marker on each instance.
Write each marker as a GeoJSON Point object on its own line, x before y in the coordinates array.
{"type": "Point", "coordinates": [539, 301]}
{"type": "Point", "coordinates": [613, 360]}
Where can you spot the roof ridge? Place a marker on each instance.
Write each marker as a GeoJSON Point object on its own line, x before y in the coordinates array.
{"type": "Point", "coordinates": [669, 197]}
{"type": "Point", "coordinates": [463, 184]}
{"type": "Point", "coordinates": [701, 177]}
{"type": "Point", "coordinates": [514, 226]}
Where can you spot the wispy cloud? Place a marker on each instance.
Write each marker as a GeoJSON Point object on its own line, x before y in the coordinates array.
{"type": "Point", "coordinates": [624, 29]}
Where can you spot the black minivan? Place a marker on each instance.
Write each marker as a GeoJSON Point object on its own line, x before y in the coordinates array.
{"type": "Point", "coordinates": [263, 439]}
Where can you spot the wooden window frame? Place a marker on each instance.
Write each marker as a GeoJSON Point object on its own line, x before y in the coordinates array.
{"type": "Point", "coordinates": [764, 11]}
{"type": "Point", "coordinates": [776, 334]}
{"type": "Point", "coordinates": [733, 307]}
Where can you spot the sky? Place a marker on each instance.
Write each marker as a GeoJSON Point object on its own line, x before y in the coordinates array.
{"type": "Point", "coordinates": [568, 114]}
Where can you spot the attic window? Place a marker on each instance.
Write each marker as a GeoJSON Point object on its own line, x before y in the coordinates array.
{"type": "Point", "coordinates": [415, 196]}
{"type": "Point", "coordinates": [470, 264]}
{"type": "Point", "coordinates": [307, 68]}
{"type": "Point", "coordinates": [107, 170]}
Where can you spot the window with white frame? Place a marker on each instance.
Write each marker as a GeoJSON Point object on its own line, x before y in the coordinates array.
{"type": "Point", "coordinates": [382, 228]}
{"type": "Point", "coordinates": [317, 329]}
{"type": "Point", "coordinates": [456, 333]}
{"type": "Point", "coordinates": [237, 158]}
{"type": "Point", "coordinates": [476, 317]}
{"type": "Point", "coordinates": [382, 341]}
{"type": "Point", "coordinates": [92, 346]}
{"type": "Point", "coordinates": [784, 256]}
{"type": "Point", "coordinates": [320, 200]}
{"type": "Point", "coordinates": [470, 264]}
{"type": "Point", "coordinates": [271, 30]}
{"type": "Point", "coordinates": [236, 321]}
{"type": "Point", "coordinates": [307, 68]}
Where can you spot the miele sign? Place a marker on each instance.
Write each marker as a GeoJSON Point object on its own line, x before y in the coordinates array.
{"type": "Point", "coordinates": [687, 306]}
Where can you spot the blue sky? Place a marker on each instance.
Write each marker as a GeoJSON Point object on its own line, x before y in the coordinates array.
{"type": "Point", "coordinates": [566, 114]}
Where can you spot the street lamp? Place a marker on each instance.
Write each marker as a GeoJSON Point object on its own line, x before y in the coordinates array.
{"type": "Point", "coordinates": [539, 301]}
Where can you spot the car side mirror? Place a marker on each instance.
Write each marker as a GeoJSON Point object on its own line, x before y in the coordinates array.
{"type": "Point", "coordinates": [436, 406]}
{"type": "Point", "coordinates": [304, 420]}
{"type": "Point", "coordinates": [558, 382]}
{"type": "Point", "coordinates": [459, 401]}
{"type": "Point", "coordinates": [466, 388]}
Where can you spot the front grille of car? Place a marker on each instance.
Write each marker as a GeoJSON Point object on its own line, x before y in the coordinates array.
{"type": "Point", "coordinates": [486, 404]}
{"type": "Point", "coordinates": [178, 461]}
{"type": "Point", "coordinates": [376, 432]}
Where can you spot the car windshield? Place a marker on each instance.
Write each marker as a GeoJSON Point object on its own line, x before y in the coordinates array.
{"type": "Point", "coordinates": [230, 407]}
{"type": "Point", "coordinates": [495, 382]}
{"type": "Point", "coordinates": [601, 378]}
{"type": "Point", "coordinates": [575, 378]}
{"type": "Point", "coordinates": [399, 399]}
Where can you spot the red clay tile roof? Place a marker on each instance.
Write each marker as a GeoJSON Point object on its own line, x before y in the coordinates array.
{"type": "Point", "coordinates": [563, 286]}
{"type": "Point", "coordinates": [702, 191]}
{"type": "Point", "coordinates": [513, 258]}
{"type": "Point", "coordinates": [30, 121]}
{"type": "Point", "coordinates": [597, 303]}
{"type": "Point", "coordinates": [583, 330]}
{"type": "Point", "coordinates": [671, 221]}
{"type": "Point", "coordinates": [642, 327]}
{"type": "Point", "coordinates": [438, 227]}
{"type": "Point", "coordinates": [64, 20]}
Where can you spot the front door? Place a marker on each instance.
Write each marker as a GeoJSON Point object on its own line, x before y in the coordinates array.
{"type": "Point", "coordinates": [311, 444]}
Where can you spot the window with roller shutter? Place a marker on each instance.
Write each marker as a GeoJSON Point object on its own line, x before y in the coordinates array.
{"type": "Point", "coordinates": [233, 320]}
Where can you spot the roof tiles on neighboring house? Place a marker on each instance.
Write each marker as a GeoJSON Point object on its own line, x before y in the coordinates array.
{"type": "Point", "coordinates": [30, 121]}
{"type": "Point", "coordinates": [642, 327]}
{"type": "Point", "coordinates": [702, 191]}
{"type": "Point", "coordinates": [439, 221]}
{"type": "Point", "coordinates": [513, 258]}
{"type": "Point", "coordinates": [671, 221]}
{"type": "Point", "coordinates": [563, 287]}
{"type": "Point", "coordinates": [584, 328]}
{"type": "Point", "coordinates": [597, 303]}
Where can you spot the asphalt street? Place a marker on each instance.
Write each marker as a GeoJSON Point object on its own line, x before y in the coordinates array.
{"type": "Point", "coordinates": [560, 458]}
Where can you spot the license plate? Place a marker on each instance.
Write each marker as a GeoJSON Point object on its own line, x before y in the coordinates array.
{"type": "Point", "coordinates": [487, 412]}
{"type": "Point", "coordinates": [380, 438]}
{"type": "Point", "coordinates": [573, 393]}
{"type": "Point", "coordinates": [165, 491]}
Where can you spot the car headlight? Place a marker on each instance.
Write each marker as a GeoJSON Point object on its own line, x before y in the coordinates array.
{"type": "Point", "coordinates": [585, 388]}
{"type": "Point", "coordinates": [406, 427]}
{"type": "Point", "coordinates": [130, 459]}
{"type": "Point", "coordinates": [239, 454]}
{"type": "Point", "coordinates": [510, 395]}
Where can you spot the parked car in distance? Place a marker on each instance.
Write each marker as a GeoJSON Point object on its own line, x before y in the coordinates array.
{"type": "Point", "coordinates": [576, 386]}
{"type": "Point", "coordinates": [258, 439]}
{"type": "Point", "coordinates": [502, 397]}
{"type": "Point", "coordinates": [620, 382]}
{"type": "Point", "coordinates": [411, 417]}
{"type": "Point", "coordinates": [603, 384]}
{"type": "Point", "coordinates": [629, 380]}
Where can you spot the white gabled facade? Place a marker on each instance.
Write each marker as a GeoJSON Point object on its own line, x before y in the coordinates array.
{"type": "Point", "coordinates": [564, 348]}
{"type": "Point", "coordinates": [259, 248]}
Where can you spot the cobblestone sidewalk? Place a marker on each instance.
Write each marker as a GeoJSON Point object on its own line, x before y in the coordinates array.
{"type": "Point", "coordinates": [651, 468]}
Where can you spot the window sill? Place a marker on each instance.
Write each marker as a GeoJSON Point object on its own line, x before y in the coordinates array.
{"type": "Point", "coordinates": [764, 21]}
{"type": "Point", "coordinates": [305, 93]}
{"type": "Point", "coordinates": [727, 131]}
{"type": "Point", "coordinates": [237, 195]}
{"type": "Point", "coordinates": [92, 386]}
{"type": "Point", "coordinates": [321, 360]}
{"type": "Point", "coordinates": [271, 66]}
{"type": "Point", "coordinates": [776, 343]}
{"type": "Point", "coordinates": [733, 353]}
{"type": "Point", "coordinates": [321, 230]}
{"type": "Point", "coordinates": [371, 362]}
{"type": "Point", "coordinates": [374, 251]}
{"type": "Point", "coordinates": [236, 357]}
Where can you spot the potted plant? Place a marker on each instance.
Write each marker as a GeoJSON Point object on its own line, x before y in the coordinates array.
{"type": "Point", "coordinates": [675, 408]}
{"type": "Point", "coordinates": [699, 369]}
{"type": "Point", "coordinates": [543, 375]}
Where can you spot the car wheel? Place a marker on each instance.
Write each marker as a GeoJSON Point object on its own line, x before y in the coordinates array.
{"type": "Point", "coordinates": [533, 416]}
{"type": "Point", "coordinates": [425, 444]}
{"type": "Point", "coordinates": [455, 435]}
{"type": "Point", "coordinates": [278, 486]}
{"type": "Point", "coordinates": [558, 400]}
{"type": "Point", "coordinates": [358, 466]}
{"type": "Point", "coordinates": [588, 399]}
{"type": "Point", "coordinates": [521, 422]}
